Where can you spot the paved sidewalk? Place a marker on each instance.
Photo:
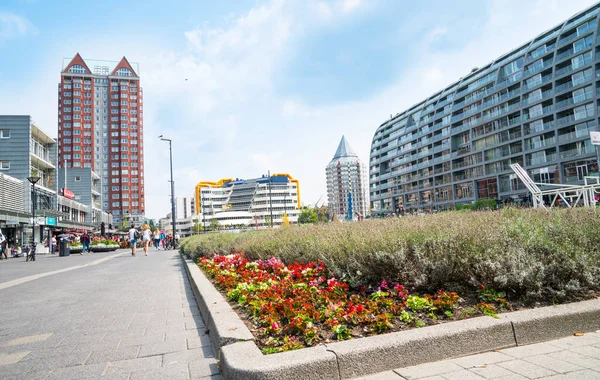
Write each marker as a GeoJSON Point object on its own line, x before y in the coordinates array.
{"type": "Point", "coordinates": [575, 357]}
{"type": "Point", "coordinates": [16, 267]}
{"type": "Point", "coordinates": [125, 318]}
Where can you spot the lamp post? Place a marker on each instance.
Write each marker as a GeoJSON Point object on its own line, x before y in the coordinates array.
{"type": "Point", "coordinates": [203, 216]}
{"type": "Point", "coordinates": [33, 179]}
{"type": "Point", "coordinates": [172, 185]}
{"type": "Point", "coordinates": [270, 199]}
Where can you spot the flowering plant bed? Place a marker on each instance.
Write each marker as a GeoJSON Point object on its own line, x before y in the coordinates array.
{"type": "Point", "coordinates": [302, 304]}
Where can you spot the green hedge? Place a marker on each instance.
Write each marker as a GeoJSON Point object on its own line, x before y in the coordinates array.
{"type": "Point", "coordinates": [528, 252]}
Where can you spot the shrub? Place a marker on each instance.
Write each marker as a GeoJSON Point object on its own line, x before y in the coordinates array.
{"type": "Point", "coordinates": [523, 252]}
{"type": "Point", "coordinates": [484, 204]}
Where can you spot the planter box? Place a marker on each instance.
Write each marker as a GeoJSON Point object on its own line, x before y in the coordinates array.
{"type": "Point", "coordinates": [102, 249]}
{"type": "Point", "coordinates": [76, 249]}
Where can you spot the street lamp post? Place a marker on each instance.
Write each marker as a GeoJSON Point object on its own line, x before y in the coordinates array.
{"type": "Point", "coordinates": [33, 179]}
{"type": "Point", "coordinates": [270, 199]}
{"type": "Point", "coordinates": [172, 185]}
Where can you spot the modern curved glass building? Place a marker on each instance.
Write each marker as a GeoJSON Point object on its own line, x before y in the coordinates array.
{"type": "Point", "coordinates": [534, 106]}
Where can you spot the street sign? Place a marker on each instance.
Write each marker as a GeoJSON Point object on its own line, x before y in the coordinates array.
{"type": "Point", "coordinates": [595, 137]}
{"type": "Point", "coordinates": [50, 221]}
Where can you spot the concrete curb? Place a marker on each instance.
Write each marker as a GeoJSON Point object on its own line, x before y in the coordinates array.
{"type": "Point", "coordinates": [224, 325]}
{"type": "Point", "coordinates": [241, 358]}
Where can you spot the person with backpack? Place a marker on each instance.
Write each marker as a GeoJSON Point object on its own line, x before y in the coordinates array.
{"type": "Point", "coordinates": [134, 236]}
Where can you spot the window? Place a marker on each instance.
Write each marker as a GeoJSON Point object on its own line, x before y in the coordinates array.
{"type": "Point", "coordinates": [77, 69]}
{"type": "Point", "coordinates": [4, 133]}
{"type": "Point", "coordinates": [77, 178]}
{"type": "Point", "coordinates": [4, 165]}
{"type": "Point", "coordinates": [123, 72]}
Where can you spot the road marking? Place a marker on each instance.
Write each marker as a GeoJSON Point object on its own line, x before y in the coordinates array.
{"type": "Point", "coordinates": [26, 339]}
{"type": "Point", "coordinates": [23, 280]}
{"type": "Point", "coordinates": [12, 358]}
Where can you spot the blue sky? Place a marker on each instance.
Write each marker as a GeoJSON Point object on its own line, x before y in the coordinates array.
{"type": "Point", "coordinates": [270, 84]}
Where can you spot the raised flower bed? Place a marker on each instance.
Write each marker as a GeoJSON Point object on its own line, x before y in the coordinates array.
{"type": "Point", "coordinates": [76, 247]}
{"type": "Point", "coordinates": [301, 304]}
{"type": "Point", "coordinates": [104, 246]}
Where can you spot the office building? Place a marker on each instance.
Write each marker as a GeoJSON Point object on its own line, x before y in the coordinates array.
{"type": "Point", "coordinates": [347, 185]}
{"type": "Point", "coordinates": [248, 202]}
{"type": "Point", "coordinates": [534, 106]}
{"type": "Point", "coordinates": [27, 151]}
{"type": "Point", "coordinates": [100, 127]}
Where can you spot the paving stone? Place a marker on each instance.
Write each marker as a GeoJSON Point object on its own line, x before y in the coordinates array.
{"type": "Point", "coordinates": [160, 348]}
{"type": "Point", "coordinates": [388, 375]}
{"type": "Point", "coordinates": [575, 358]}
{"type": "Point", "coordinates": [172, 372]}
{"type": "Point", "coordinates": [530, 350]}
{"type": "Point", "coordinates": [491, 371]}
{"type": "Point", "coordinates": [78, 372]}
{"type": "Point", "coordinates": [589, 351]}
{"type": "Point", "coordinates": [104, 356]}
{"type": "Point", "coordinates": [203, 368]}
{"type": "Point", "coordinates": [553, 364]}
{"type": "Point", "coordinates": [429, 369]}
{"type": "Point", "coordinates": [482, 359]}
{"type": "Point", "coordinates": [12, 358]}
{"type": "Point", "coordinates": [527, 369]}
{"type": "Point", "coordinates": [140, 364]}
{"type": "Point", "coordinates": [577, 341]}
{"type": "Point", "coordinates": [585, 374]}
{"type": "Point", "coordinates": [27, 339]}
{"type": "Point", "coordinates": [462, 375]}
{"type": "Point", "coordinates": [198, 341]}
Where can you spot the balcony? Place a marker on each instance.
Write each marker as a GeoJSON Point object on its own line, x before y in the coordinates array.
{"type": "Point", "coordinates": [545, 111]}
{"type": "Point", "coordinates": [538, 67]}
{"type": "Point", "coordinates": [586, 149]}
{"type": "Point", "coordinates": [545, 79]}
{"type": "Point", "coordinates": [545, 127]}
{"type": "Point", "coordinates": [544, 95]}
{"type": "Point", "coordinates": [546, 159]}
{"type": "Point", "coordinates": [571, 68]}
{"type": "Point", "coordinates": [540, 144]}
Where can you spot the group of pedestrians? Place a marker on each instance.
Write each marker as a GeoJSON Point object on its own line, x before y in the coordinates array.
{"type": "Point", "coordinates": [146, 236]}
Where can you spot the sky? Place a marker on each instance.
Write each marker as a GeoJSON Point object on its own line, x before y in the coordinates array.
{"type": "Point", "coordinates": [242, 87]}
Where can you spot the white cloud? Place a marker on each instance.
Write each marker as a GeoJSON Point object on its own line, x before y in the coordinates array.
{"type": "Point", "coordinates": [350, 5]}
{"type": "Point", "coordinates": [13, 26]}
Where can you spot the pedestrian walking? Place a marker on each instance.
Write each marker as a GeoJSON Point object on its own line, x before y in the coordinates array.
{"type": "Point", "coordinates": [134, 235]}
{"type": "Point", "coordinates": [53, 244]}
{"type": "Point", "coordinates": [162, 238]}
{"type": "Point", "coordinates": [156, 239]}
{"type": "Point", "coordinates": [85, 240]}
{"type": "Point", "coordinates": [146, 237]}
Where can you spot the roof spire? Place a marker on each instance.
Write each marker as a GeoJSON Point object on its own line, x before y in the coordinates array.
{"type": "Point", "coordinates": [344, 150]}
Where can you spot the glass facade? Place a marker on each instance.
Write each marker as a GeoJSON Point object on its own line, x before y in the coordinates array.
{"type": "Point", "coordinates": [534, 106]}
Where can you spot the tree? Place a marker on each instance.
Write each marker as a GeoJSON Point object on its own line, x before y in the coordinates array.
{"type": "Point", "coordinates": [215, 225]}
{"type": "Point", "coordinates": [197, 228]}
{"type": "Point", "coordinates": [323, 213]}
{"type": "Point", "coordinates": [308, 216]}
{"type": "Point", "coordinates": [267, 220]}
{"type": "Point", "coordinates": [124, 226]}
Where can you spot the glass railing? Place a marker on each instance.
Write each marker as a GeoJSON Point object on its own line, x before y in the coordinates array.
{"type": "Point", "coordinates": [533, 145]}
{"type": "Point", "coordinates": [544, 95]}
{"type": "Point", "coordinates": [543, 111]}
{"type": "Point", "coordinates": [566, 137]}
{"type": "Point", "coordinates": [570, 68]}
{"type": "Point", "coordinates": [586, 149]}
{"type": "Point", "coordinates": [576, 35]}
{"type": "Point", "coordinates": [538, 67]}
{"type": "Point", "coordinates": [537, 83]}
{"type": "Point", "coordinates": [541, 160]}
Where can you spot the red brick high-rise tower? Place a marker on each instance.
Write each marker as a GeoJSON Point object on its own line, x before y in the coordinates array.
{"type": "Point", "coordinates": [100, 126]}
